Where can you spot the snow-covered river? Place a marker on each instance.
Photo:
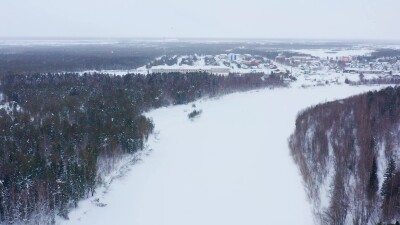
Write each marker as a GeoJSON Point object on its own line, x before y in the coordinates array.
{"type": "Point", "coordinates": [230, 166]}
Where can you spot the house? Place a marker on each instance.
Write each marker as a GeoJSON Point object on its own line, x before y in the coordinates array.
{"type": "Point", "coordinates": [217, 70]}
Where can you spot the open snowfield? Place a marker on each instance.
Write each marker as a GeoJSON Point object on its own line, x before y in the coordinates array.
{"type": "Point", "coordinates": [229, 166]}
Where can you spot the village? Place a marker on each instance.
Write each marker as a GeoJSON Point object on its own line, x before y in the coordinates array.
{"type": "Point", "coordinates": [287, 65]}
{"type": "Point", "coordinates": [309, 66]}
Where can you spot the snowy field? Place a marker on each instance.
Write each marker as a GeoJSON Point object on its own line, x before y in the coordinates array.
{"type": "Point", "coordinates": [230, 166]}
{"type": "Point", "coordinates": [332, 53]}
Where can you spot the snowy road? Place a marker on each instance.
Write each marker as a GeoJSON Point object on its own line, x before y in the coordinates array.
{"type": "Point", "coordinates": [230, 166]}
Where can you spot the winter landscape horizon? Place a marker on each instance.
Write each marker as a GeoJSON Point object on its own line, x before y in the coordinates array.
{"type": "Point", "coordinates": [199, 112]}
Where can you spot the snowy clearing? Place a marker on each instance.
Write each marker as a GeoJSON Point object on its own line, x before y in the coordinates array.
{"type": "Point", "coordinates": [231, 165]}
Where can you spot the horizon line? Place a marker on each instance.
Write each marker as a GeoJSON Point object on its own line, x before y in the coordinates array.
{"type": "Point", "coordinates": [82, 38]}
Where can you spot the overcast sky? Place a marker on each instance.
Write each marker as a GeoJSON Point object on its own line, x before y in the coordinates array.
{"type": "Point", "coordinates": [319, 19]}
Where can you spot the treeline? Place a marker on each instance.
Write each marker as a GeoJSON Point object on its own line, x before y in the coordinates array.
{"type": "Point", "coordinates": [68, 126]}
{"type": "Point", "coordinates": [122, 55]}
{"type": "Point", "coordinates": [270, 54]}
{"type": "Point", "coordinates": [393, 53]}
{"type": "Point", "coordinates": [384, 80]}
{"type": "Point", "coordinates": [348, 154]}
{"type": "Point", "coordinates": [44, 59]}
{"type": "Point", "coordinates": [163, 60]}
{"type": "Point", "coordinates": [384, 54]}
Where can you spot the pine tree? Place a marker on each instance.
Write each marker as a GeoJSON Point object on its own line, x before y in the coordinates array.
{"type": "Point", "coordinates": [388, 190]}
{"type": "Point", "coordinates": [388, 177]}
{"type": "Point", "coordinates": [372, 187]}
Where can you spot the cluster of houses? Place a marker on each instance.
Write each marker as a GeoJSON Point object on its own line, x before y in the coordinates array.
{"type": "Point", "coordinates": [216, 70]}
{"type": "Point", "coordinates": [223, 64]}
{"type": "Point", "coordinates": [342, 64]}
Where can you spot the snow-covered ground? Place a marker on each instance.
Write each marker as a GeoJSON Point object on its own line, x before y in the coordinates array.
{"type": "Point", "coordinates": [329, 77]}
{"type": "Point", "coordinates": [230, 166]}
{"type": "Point", "coordinates": [8, 106]}
{"type": "Point", "coordinates": [140, 70]}
{"type": "Point", "coordinates": [332, 53]}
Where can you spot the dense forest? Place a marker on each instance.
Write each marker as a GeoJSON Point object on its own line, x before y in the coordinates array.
{"type": "Point", "coordinates": [383, 80]}
{"type": "Point", "coordinates": [382, 53]}
{"type": "Point", "coordinates": [57, 131]}
{"type": "Point", "coordinates": [44, 59]}
{"type": "Point", "coordinates": [348, 154]}
{"type": "Point", "coordinates": [108, 56]}
{"type": "Point", "coordinates": [129, 54]}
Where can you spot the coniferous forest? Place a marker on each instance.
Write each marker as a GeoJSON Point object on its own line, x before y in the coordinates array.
{"type": "Point", "coordinates": [347, 152]}
{"type": "Point", "coordinates": [56, 130]}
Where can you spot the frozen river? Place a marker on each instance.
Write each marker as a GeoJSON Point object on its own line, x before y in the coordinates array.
{"type": "Point", "coordinates": [230, 166]}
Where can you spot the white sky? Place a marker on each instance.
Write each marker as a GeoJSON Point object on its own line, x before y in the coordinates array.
{"type": "Point", "coordinates": [321, 19]}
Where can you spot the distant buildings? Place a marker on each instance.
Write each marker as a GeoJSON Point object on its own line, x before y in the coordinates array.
{"type": "Point", "coordinates": [232, 57]}
{"type": "Point", "coordinates": [216, 70]}
{"type": "Point", "coordinates": [280, 59]}
{"type": "Point", "coordinates": [346, 59]}
{"type": "Point", "coordinates": [363, 71]}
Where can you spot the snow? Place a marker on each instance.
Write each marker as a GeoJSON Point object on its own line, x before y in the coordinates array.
{"type": "Point", "coordinates": [231, 165]}
{"type": "Point", "coordinates": [200, 65]}
{"type": "Point", "coordinates": [200, 62]}
{"type": "Point", "coordinates": [9, 106]}
{"type": "Point", "coordinates": [381, 163]}
{"type": "Point", "coordinates": [323, 53]}
{"type": "Point", "coordinates": [140, 70]}
{"type": "Point", "coordinates": [324, 189]}
{"type": "Point", "coordinates": [187, 67]}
